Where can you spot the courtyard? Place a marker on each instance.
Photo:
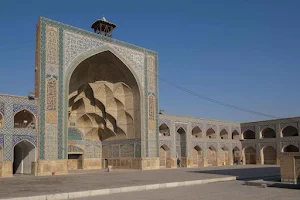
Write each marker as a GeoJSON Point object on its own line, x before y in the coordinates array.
{"type": "Point", "coordinates": [88, 180]}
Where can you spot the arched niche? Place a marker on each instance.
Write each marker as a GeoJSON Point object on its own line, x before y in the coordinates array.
{"type": "Point", "coordinates": [164, 130]}
{"type": "Point", "coordinates": [224, 134]}
{"type": "Point", "coordinates": [250, 155]}
{"type": "Point", "coordinates": [24, 155]}
{"type": "Point", "coordinates": [181, 143]}
{"type": "Point", "coordinates": [197, 155]}
{"type": "Point", "coordinates": [268, 133]}
{"type": "Point", "coordinates": [164, 156]}
{"type": "Point", "coordinates": [248, 135]}
{"type": "Point", "coordinates": [269, 155]}
{"type": "Point", "coordinates": [211, 134]}
{"type": "Point", "coordinates": [104, 88]}
{"type": "Point", "coordinates": [289, 131]}
{"type": "Point", "coordinates": [211, 156]}
{"type": "Point", "coordinates": [197, 132]}
{"type": "Point", "coordinates": [290, 148]}
{"type": "Point", "coordinates": [24, 119]}
{"type": "Point", "coordinates": [235, 135]}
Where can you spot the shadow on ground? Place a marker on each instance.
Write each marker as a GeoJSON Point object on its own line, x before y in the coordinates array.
{"type": "Point", "coordinates": [264, 173]}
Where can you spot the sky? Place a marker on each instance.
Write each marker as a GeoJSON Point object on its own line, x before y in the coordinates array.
{"type": "Point", "coordinates": [242, 52]}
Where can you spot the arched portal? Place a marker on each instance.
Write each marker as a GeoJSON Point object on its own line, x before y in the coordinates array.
{"type": "Point", "coordinates": [211, 134]}
{"type": "Point", "coordinates": [248, 134]}
{"type": "Point", "coordinates": [164, 130]}
{"type": "Point", "coordinates": [250, 155]}
{"type": "Point", "coordinates": [268, 133]}
{"type": "Point", "coordinates": [236, 153]}
{"type": "Point", "coordinates": [211, 156]}
{"type": "Point", "coordinates": [290, 148]}
{"type": "Point", "coordinates": [197, 156]}
{"type": "Point", "coordinates": [24, 155]}
{"type": "Point", "coordinates": [289, 131]}
{"type": "Point", "coordinates": [235, 135]}
{"type": "Point", "coordinates": [269, 155]}
{"type": "Point", "coordinates": [224, 156]}
{"type": "Point", "coordinates": [224, 134]}
{"type": "Point", "coordinates": [181, 144]}
{"type": "Point", "coordinates": [24, 119]}
{"type": "Point", "coordinates": [104, 99]}
{"type": "Point", "coordinates": [164, 156]}
{"type": "Point", "coordinates": [197, 132]}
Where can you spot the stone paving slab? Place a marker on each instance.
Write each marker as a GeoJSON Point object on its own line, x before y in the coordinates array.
{"type": "Point", "coordinates": [29, 186]}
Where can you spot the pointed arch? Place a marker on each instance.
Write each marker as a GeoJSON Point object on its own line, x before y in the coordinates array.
{"type": "Point", "coordinates": [197, 155]}
{"type": "Point", "coordinates": [249, 155]}
{"type": "Point", "coordinates": [224, 134]}
{"type": "Point", "coordinates": [24, 119]}
{"type": "Point", "coordinates": [235, 135]}
{"type": "Point", "coordinates": [197, 132]}
{"type": "Point", "coordinates": [164, 156]}
{"type": "Point", "coordinates": [24, 154]}
{"type": "Point", "coordinates": [211, 155]}
{"type": "Point", "coordinates": [164, 130]}
{"type": "Point", "coordinates": [211, 134]}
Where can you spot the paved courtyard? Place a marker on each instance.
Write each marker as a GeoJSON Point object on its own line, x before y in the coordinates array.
{"type": "Point", "coordinates": [233, 190]}
{"type": "Point", "coordinates": [24, 186]}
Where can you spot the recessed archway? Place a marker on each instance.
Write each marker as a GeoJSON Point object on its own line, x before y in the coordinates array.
{"type": "Point", "coordinates": [24, 155]}
{"type": "Point", "coordinates": [197, 132]}
{"type": "Point", "coordinates": [211, 134]}
{"type": "Point", "coordinates": [236, 154]}
{"type": "Point", "coordinates": [164, 130]}
{"type": "Point", "coordinates": [289, 131]}
{"type": "Point", "coordinates": [104, 98]}
{"type": "Point", "coordinates": [24, 119]}
{"type": "Point", "coordinates": [211, 156]}
{"type": "Point", "coordinates": [224, 156]}
{"type": "Point", "coordinates": [235, 135]}
{"type": "Point", "coordinates": [269, 155]}
{"type": "Point", "coordinates": [164, 156]}
{"type": "Point", "coordinates": [224, 134]}
{"type": "Point", "coordinates": [248, 134]}
{"type": "Point", "coordinates": [290, 148]}
{"type": "Point", "coordinates": [268, 133]}
{"type": "Point", "coordinates": [197, 155]}
{"type": "Point", "coordinates": [250, 155]}
{"type": "Point", "coordinates": [181, 143]}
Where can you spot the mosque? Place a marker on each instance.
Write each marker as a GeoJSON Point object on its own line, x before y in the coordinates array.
{"type": "Point", "coordinates": [95, 104]}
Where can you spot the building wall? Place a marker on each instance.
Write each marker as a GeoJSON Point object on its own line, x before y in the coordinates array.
{"type": "Point", "coordinates": [212, 151]}
{"type": "Point", "coordinates": [9, 136]}
{"type": "Point", "coordinates": [278, 143]}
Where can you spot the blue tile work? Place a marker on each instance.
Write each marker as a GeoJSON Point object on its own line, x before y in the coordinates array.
{"type": "Point", "coordinates": [2, 141]}
{"type": "Point", "coordinates": [72, 148]}
{"type": "Point", "coordinates": [62, 113]}
{"type": "Point", "coordinates": [9, 135]}
{"type": "Point", "coordinates": [17, 108]}
{"type": "Point", "coordinates": [42, 90]}
{"type": "Point", "coordinates": [74, 134]}
{"type": "Point", "coordinates": [62, 140]}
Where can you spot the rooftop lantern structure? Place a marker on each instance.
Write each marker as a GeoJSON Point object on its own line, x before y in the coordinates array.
{"type": "Point", "coordinates": [103, 27]}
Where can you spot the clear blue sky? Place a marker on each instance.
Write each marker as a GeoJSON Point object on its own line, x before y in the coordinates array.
{"type": "Point", "coordinates": [243, 52]}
